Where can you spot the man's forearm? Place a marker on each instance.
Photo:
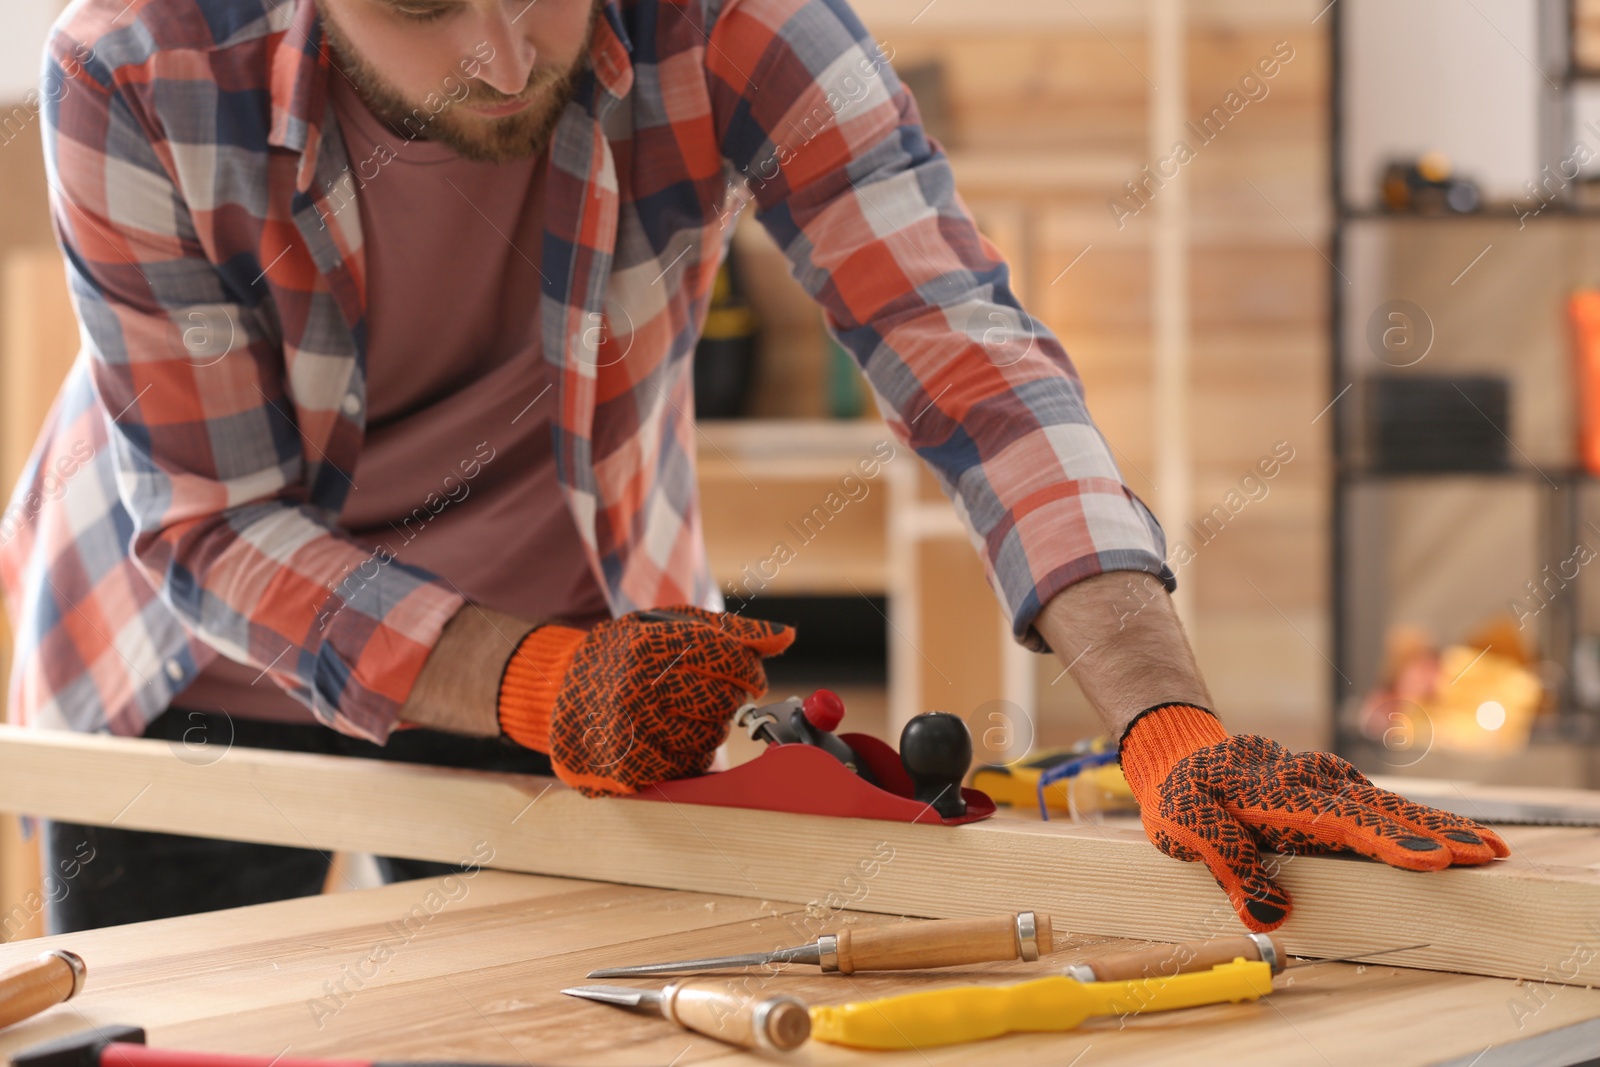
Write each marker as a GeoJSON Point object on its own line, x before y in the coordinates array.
{"type": "Point", "coordinates": [458, 690]}
{"type": "Point", "coordinates": [1120, 638]}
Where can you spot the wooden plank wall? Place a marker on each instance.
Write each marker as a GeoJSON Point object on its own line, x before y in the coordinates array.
{"type": "Point", "coordinates": [1049, 108]}
{"type": "Point", "coordinates": [24, 226]}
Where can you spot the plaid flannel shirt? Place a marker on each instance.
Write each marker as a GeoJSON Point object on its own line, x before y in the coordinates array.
{"type": "Point", "coordinates": [182, 500]}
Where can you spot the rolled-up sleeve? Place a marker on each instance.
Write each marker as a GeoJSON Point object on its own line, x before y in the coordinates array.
{"type": "Point", "coordinates": [826, 143]}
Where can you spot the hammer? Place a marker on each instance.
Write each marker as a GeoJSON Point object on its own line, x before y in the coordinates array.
{"type": "Point", "coordinates": [124, 1046]}
{"type": "Point", "coordinates": [44, 981]}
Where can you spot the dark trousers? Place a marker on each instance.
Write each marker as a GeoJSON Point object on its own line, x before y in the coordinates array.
{"type": "Point", "coordinates": [98, 876]}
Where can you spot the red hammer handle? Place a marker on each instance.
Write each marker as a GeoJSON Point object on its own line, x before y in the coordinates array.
{"type": "Point", "coordinates": [124, 1054]}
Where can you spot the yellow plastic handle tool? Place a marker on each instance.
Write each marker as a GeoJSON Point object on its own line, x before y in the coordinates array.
{"type": "Point", "coordinates": [974, 1013]}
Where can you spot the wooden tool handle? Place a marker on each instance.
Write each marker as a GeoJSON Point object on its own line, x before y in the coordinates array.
{"type": "Point", "coordinates": [1184, 958]}
{"type": "Point", "coordinates": [717, 1008]}
{"type": "Point", "coordinates": [29, 988]}
{"type": "Point", "coordinates": [945, 943]}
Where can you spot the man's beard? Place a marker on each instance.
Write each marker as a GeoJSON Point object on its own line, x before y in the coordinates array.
{"type": "Point", "coordinates": [477, 138]}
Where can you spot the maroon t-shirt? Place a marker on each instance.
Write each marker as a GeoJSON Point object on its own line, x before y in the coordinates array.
{"type": "Point", "coordinates": [457, 471]}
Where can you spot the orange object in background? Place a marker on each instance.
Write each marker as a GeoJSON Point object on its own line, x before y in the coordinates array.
{"type": "Point", "coordinates": [1583, 308]}
{"type": "Point", "coordinates": [1480, 695]}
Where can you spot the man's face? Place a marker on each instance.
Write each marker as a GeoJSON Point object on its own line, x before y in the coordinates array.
{"type": "Point", "coordinates": [502, 71]}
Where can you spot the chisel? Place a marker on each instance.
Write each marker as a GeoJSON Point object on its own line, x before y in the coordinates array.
{"type": "Point", "coordinates": [1159, 979]}
{"type": "Point", "coordinates": [708, 1007]}
{"type": "Point", "coordinates": [902, 947]}
{"type": "Point", "coordinates": [975, 1013]}
{"type": "Point", "coordinates": [49, 979]}
{"type": "Point", "coordinates": [1193, 956]}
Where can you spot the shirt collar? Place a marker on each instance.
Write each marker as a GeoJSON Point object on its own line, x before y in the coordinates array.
{"type": "Point", "coordinates": [611, 52]}
{"type": "Point", "coordinates": [299, 90]}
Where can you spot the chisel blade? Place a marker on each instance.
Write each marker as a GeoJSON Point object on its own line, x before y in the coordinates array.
{"type": "Point", "coordinates": [802, 954]}
{"type": "Point", "coordinates": [1360, 957]}
{"type": "Point", "coordinates": [1497, 812]}
{"type": "Point", "coordinates": [622, 996]}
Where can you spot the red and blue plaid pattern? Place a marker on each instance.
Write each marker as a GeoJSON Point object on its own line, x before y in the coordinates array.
{"type": "Point", "coordinates": [213, 419]}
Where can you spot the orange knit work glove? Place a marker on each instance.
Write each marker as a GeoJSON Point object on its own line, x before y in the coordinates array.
{"type": "Point", "coordinates": [637, 700]}
{"type": "Point", "coordinates": [1205, 795]}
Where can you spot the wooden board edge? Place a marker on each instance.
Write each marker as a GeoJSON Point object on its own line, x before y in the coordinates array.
{"type": "Point", "coordinates": [1538, 923]}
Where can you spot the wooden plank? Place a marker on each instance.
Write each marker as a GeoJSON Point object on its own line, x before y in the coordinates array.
{"type": "Point", "coordinates": [474, 974]}
{"type": "Point", "coordinates": [1535, 916]}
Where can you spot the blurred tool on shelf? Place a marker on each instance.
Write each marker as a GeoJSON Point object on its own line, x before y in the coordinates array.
{"type": "Point", "coordinates": [1424, 423]}
{"type": "Point", "coordinates": [846, 397]}
{"type": "Point", "coordinates": [725, 358]}
{"type": "Point", "coordinates": [1478, 696]}
{"type": "Point", "coordinates": [1583, 310]}
{"type": "Point", "coordinates": [1426, 185]}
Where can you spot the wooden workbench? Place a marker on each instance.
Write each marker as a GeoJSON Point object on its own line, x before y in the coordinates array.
{"type": "Point", "coordinates": [476, 974]}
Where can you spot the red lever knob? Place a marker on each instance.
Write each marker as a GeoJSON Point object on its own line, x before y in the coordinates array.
{"type": "Point", "coordinates": [823, 709]}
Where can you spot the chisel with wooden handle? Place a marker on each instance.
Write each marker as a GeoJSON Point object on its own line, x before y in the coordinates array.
{"type": "Point", "coordinates": [709, 1007]}
{"type": "Point", "coordinates": [975, 1013]}
{"type": "Point", "coordinates": [1184, 958]}
{"type": "Point", "coordinates": [902, 947]}
{"type": "Point", "coordinates": [1189, 957]}
{"type": "Point", "coordinates": [45, 981]}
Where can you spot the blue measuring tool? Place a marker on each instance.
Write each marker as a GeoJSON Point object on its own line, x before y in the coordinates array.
{"type": "Point", "coordinates": [1071, 769]}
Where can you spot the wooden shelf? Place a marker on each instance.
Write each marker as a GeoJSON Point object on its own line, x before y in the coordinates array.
{"type": "Point", "coordinates": [1033, 17]}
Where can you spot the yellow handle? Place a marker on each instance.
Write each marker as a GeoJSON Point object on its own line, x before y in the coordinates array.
{"type": "Point", "coordinates": [973, 1013]}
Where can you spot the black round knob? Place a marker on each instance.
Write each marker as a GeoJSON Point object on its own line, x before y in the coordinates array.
{"type": "Point", "coordinates": [936, 750]}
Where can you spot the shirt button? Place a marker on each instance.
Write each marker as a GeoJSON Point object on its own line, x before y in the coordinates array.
{"type": "Point", "coordinates": [174, 670]}
{"type": "Point", "coordinates": [352, 404]}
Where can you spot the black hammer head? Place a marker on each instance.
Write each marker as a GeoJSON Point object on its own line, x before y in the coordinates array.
{"type": "Point", "coordinates": [78, 1050]}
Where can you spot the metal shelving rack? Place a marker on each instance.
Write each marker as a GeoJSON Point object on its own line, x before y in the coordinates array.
{"type": "Point", "coordinates": [1561, 491]}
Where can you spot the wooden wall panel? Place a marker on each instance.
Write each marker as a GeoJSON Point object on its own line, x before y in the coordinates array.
{"type": "Point", "coordinates": [746, 521]}
{"type": "Point", "coordinates": [1064, 103]}
{"type": "Point", "coordinates": [958, 638]}
{"type": "Point", "coordinates": [38, 339]}
{"type": "Point", "coordinates": [24, 223]}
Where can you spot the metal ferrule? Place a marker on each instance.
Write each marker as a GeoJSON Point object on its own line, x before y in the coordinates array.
{"type": "Point", "coordinates": [828, 953]}
{"type": "Point", "coordinates": [1027, 936]}
{"type": "Point", "coordinates": [760, 1020]}
{"type": "Point", "coordinates": [668, 1003]}
{"type": "Point", "coordinates": [1269, 952]}
{"type": "Point", "coordinates": [75, 963]}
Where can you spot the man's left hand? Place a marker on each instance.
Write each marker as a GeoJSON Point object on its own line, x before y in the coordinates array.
{"type": "Point", "coordinates": [1208, 796]}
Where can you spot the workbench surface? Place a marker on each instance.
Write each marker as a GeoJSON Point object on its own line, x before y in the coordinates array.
{"type": "Point", "coordinates": [469, 968]}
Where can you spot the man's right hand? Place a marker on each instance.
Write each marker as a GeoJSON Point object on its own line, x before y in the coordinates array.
{"type": "Point", "coordinates": [637, 700]}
